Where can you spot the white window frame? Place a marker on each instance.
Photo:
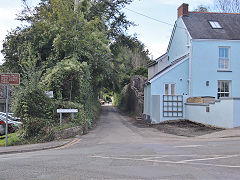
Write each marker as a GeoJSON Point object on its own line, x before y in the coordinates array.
{"type": "Point", "coordinates": [222, 60]}
{"type": "Point", "coordinates": [170, 88]}
{"type": "Point", "coordinates": [223, 93]}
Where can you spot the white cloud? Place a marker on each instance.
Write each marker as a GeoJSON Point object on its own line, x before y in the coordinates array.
{"type": "Point", "coordinates": [8, 13]}
{"type": "Point", "coordinates": [156, 49]}
{"type": "Point", "coordinates": [7, 22]}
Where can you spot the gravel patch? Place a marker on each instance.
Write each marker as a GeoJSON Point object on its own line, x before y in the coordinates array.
{"type": "Point", "coordinates": [180, 127]}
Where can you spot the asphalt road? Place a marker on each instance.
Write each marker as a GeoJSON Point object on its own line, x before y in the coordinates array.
{"type": "Point", "coordinates": [116, 149]}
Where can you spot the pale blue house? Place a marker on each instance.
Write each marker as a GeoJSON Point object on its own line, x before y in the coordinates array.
{"type": "Point", "coordinates": [202, 60]}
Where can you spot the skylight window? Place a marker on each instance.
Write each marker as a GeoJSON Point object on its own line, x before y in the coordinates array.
{"type": "Point", "coordinates": [215, 25]}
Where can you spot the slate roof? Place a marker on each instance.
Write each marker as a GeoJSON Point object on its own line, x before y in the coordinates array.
{"type": "Point", "coordinates": [198, 25]}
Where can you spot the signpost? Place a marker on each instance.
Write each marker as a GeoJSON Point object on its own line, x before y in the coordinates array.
{"type": "Point", "coordinates": [8, 79]}
{"type": "Point", "coordinates": [61, 111]}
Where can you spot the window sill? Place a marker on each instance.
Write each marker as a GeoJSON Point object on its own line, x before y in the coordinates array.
{"type": "Point", "coordinates": [224, 71]}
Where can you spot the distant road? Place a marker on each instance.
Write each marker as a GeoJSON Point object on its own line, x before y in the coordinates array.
{"type": "Point", "coordinates": [117, 149]}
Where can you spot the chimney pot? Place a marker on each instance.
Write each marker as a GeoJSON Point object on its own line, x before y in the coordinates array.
{"type": "Point", "coordinates": [183, 10]}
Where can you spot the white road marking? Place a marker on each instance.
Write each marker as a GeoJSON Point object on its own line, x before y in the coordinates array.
{"type": "Point", "coordinates": [177, 155]}
{"type": "Point", "coordinates": [186, 162]}
{"type": "Point", "coordinates": [212, 158]}
{"type": "Point", "coordinates": [188, 146]}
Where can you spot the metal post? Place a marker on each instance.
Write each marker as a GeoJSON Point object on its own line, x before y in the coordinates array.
{"type": "Point", "coordinates": [60, 119]}
{"type": "Point", "coordinates": [72, 115]}
{"type": "Point", "coordinates": [6, 134]}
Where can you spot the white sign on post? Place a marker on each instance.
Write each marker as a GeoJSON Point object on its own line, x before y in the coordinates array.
{"type": "Point", "coordinates": [49, 94]}
{"type": "Point", "coordinates": [61, 111]}
{"type": "Point", "coordinates": [67, 110]}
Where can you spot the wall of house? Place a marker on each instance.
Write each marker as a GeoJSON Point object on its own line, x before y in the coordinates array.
{"type": "Point", "coordinates": [179, 76]}
{"type": "Point", "coordinates": [236, 112]}
{"type": "Point", "coordinates": [147, 100]}
{"type": "Point", "coordinates": [156, 108]}
{"type": "Point", "coordinates": [178, 42]}
{"type": "Point", "coordinates": [152, 70]}
{"type": "Point", "coordinates": [224, 113]}
{"type": "Point", "coordinates": [162, 63]}
{"type": "Point", "coordinates": [205, 67]}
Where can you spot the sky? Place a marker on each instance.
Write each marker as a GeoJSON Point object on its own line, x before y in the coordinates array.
{"type": "Point", "coordinates": [153, 34]}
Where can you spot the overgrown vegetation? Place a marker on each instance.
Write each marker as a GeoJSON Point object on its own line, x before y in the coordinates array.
{"type": "Point", "coordinates": [78, 52]}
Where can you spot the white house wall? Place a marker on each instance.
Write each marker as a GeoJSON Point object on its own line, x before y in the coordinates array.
{"type": "Point", "coordinates": [180, 39]}
{"type": "Point", "coordinates": [163, 63]}
{"type": "Point", "coordinates": [151, 72]}
{"type": "Point", "coordinates": [236, 112]}
{"type": "Point", "coordinates": [221, 114]}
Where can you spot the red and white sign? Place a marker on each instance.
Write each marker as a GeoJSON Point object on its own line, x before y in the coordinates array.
{"type": "Point", "coordinates": [12, 79]}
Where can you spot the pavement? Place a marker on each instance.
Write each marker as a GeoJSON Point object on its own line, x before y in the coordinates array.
{"type": "Point", "coordinates": [35, 147]}
{"type": "Point", "coordinates": [228, 133]}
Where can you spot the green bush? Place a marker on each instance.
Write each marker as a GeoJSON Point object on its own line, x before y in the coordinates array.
{"type": "Point", "coordinates": [33, 102]}
{"type": "Point", "coordinates": [140, 71]}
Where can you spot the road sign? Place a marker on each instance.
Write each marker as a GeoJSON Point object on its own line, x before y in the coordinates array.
{"type": "Point", "coordinates": [61, 111]}
{"type": "Point", "coordinates": [67, 110]}
{"type": "Point", "coordinates": [49, 94]}
{"type": "Point", "coordinates": [10, 78]}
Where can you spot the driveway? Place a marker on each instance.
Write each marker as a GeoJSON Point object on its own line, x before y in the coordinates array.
{"type": "Point", "coordinates": [116, 149]}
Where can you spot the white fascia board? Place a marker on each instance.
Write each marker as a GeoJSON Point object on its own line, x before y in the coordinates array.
{"type": "Point", "coordinates": [169, 69]}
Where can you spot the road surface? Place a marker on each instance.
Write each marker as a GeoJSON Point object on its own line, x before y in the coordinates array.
{"type": "Point", "coordinates": [116, 149]}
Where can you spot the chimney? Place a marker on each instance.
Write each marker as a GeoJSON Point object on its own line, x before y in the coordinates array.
{"type": "Point", "coordinates": [183, 10]}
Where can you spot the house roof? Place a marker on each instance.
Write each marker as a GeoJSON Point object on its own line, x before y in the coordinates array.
{"type": "Point", "coordinates": [169, 66]}
{"type": "Point", "coordinates": [161, 57]}
{"type": "Point", "coordinates": [151, 63]}
{"type": "Point", "coordinates": [199, 27]}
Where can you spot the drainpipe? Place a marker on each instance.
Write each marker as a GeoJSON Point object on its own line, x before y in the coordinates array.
{"type": "Point", "coordinates": [190, 70]}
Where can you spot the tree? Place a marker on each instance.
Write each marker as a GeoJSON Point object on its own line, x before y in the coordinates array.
{"type": "Point", "coordinates": [202, 8]}
{"type": "Point", "coordinates": [129, 54]}
{"type": "Point", "coordinates": [228, 6]}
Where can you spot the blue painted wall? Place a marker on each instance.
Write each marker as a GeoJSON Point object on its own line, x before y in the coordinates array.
{"type": "Point", "coordinates": [205, 67]}
{"type": "Point", "coordinates": [179, 76]}
{"type": "Point", "coordinates": [178, 43]}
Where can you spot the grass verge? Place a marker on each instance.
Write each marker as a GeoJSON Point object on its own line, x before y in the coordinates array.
{"type": "Point", "coordinates": [13, 139]}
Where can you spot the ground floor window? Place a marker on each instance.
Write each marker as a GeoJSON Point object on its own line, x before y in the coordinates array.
{"type": "Point", "coordinates": [224, 89]}
{"type": "Point", "coordinates": [169, 89]}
